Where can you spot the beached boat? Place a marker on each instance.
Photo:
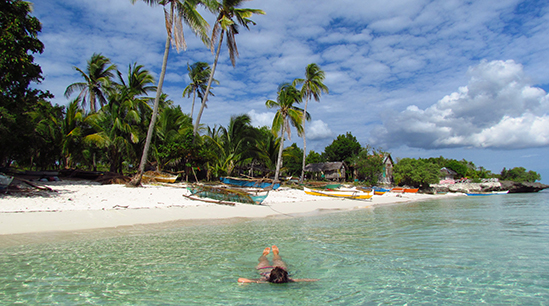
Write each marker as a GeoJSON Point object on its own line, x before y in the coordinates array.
{"type": "Point", "coordinates": [160, 177]}
{"type": "Point", "coordinates": [5, 181]}
{"type": "Point", "coordinates": [227, 194]}
{"type": "Point", "coordinates": [477, 194]}
{"type": "Point", "coordinates": [398, 190]}
{"type": "Point", "coordinates": [375, 190]}
{"type": "Point", "coordinates": [411, 190]}
{"type": "Point", "coordinates": [240, 182]}
{"type": "Point", "coordinates": [322, 185]}
{"type": "Point", "coordinates": [500, 192]}
{"type": "Point", "coordinates": [342, 193]}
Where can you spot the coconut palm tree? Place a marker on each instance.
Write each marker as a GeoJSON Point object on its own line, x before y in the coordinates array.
{"type": "Point", "coordinates": [199, 74]}
{"type": "Point", "coordinates": [312, 88]}
{"type": "Point", "coordinates": [175, 12]}
{"type": "Point", "coordinates": [97, 76]}
{"type": "Point", "coordinates": [233, 144]}
{"type": "Point", "coordinates": [287, 114]}
{"type": "Point", "coordinates": [225, 25]}
{"type": "Point", "coordinates": [71, 129]}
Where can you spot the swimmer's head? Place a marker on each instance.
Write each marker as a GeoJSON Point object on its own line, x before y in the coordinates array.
{"type": "Point", "coordinates": [278, 275]}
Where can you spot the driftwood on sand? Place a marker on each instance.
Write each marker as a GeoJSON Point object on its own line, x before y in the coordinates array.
{"type": "Point", "coordinates": [45, 188]}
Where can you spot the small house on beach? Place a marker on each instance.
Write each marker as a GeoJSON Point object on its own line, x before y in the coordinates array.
{"type": "Point", "coordinates": [329, 170]}
{"type": "Point", "coordinates": [448, 176]}
{"type": "Point", "coordinates": [386, 177]}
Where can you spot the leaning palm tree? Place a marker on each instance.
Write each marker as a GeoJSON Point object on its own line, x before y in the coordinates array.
{"type": "Point", "coordinates": [312, 88]}
{"type": "Point", "coordinates": [287, 114]}
{"type": "Point", "coordinates": [225, 25]}
{"type": "Point", "coordinates": [199, 74]}
{"type": "Point", "coordinates": [175, 12]}
{"type": "Point", "coordinates": [97, 76]}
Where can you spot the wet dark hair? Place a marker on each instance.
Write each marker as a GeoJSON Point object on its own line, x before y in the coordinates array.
{"type": "Point", "coordinates": [278, 275]}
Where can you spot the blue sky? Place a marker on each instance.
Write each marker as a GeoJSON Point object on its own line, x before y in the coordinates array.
{"type": "Point", "coordinates": [417, 78]}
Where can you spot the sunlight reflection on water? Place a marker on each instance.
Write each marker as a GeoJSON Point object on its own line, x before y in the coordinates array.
{"type": "Point", "coordinates": [455, 251]}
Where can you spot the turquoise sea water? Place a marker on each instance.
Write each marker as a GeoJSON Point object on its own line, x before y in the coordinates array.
{"type": "Point", "coordinates": [460, 251]}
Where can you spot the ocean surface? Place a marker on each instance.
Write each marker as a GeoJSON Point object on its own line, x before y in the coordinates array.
{"type": "Point", "coordinates": [459, 251]}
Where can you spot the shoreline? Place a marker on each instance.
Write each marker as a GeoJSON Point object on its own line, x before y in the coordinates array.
{"type": "Point", "coordinates": [83, 205]}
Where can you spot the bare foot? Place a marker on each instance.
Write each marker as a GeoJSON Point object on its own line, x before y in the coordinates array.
{"type": "Point", "coordinates": [275, 249]}
{"type": "Point", "coordinates": [266, 251]}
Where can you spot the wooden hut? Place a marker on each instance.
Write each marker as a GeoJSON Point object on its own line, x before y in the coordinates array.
{"type": "Point", "coordinates": [386, 177]}
{"type": "Point", "coordinates": [334, 171]}
{"type": "Point", "coordinates": [448, 176]}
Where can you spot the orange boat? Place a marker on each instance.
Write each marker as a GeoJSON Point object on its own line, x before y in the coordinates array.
{"type": "Point", "coordinates": [411, 190]}
{"type": "Point", "coordinates": [397, 190]}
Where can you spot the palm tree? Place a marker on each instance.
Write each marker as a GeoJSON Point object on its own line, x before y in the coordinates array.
{"type": "Point", "coordinates": [117, 126]}
{"type": "Point", "coordinates": [97, 77]}
{"type": "Point", "coordinates": [175, 12]}
{"type": "Point", "coordinates": [312, 88]}
{"type": "Point", "coordinates": [287, 114]}
{"type": "Point", "coordinates": [199, 73]}
{"type": "Point", "coordinates": [71, 129]}
{"type": "Point", "coordinates": [225, 26]}
{"type": "Point", "coordinates": [232, 145]}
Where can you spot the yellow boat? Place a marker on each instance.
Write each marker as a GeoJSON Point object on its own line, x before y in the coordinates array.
{"type": "Point", "coordinates": [347, 194]}
{"type": "Point", "coordinates": [159, 177]}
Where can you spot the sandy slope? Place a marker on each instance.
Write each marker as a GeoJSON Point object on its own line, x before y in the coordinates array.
{"type": "Point", "coordinates": [79, 205]}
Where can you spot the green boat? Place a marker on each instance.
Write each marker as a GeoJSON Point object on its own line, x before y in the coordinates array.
{"type": "Point", "coordinates": [322, 185]}
{"type": "Point", "coordinates": [228, 194]}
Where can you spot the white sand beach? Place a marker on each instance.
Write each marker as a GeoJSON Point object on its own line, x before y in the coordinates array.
{"type": "Point", "coordinates": [82, 205]}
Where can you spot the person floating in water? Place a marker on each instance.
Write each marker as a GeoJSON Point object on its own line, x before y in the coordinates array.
{"type": "Point", "coordinates": [275, 273]}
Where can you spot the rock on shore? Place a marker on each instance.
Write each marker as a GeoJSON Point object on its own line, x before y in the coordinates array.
{"type": "Point", "coordinates": [513, 187]}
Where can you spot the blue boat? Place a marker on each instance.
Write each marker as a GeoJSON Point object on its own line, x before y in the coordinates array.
{"type": "Point", "coordinates": [247, 183]}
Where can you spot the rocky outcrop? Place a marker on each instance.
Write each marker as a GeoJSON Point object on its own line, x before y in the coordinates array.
{"type": "Point", "coordinates": [513, 187]}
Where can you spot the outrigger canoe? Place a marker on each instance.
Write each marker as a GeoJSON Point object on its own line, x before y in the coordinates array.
{"type": "Point", "coordinates": [226, 194]}
{"type": "Point", "coordinates": [347, 194]}
{"type": "Point", "coordinates": [480, 194]}
{"type": "Point", "coordinates": [247, 183]}
{"type": "Point", "coordinates": [160, 177]}
{"type": "Point", "coordinates": [5, 181]}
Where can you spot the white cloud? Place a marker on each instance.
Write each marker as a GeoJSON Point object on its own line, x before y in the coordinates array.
{"type": "Point", "coordinates": [319, 130]}
{"type": "Point", "coordinates": [261, 119]}
{"type": "Point", "coordinates": [497, 109]}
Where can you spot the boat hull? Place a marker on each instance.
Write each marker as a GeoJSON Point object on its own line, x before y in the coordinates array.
{"type": "Point", "coordinates": [5, 181]}
{"type": "Point", "coordinates": [160, 177]}
{"type": "Point", "coordinates": [351, 194]}
{"type": "Point", "coordinates": [231, 195]}
{"type": "Point", "coordinates": [247, 183]}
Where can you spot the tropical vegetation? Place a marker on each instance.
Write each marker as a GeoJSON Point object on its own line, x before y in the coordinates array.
{"type": "Point", "coordinates": [114, 124]}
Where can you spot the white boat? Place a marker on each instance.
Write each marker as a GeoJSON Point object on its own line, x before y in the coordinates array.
{"type": "Point", "coordinates": [500, 192]}
{"type": "Point", "coordinates": [5, 181]}
{"type": "Point", "coordinates": [341, 193]}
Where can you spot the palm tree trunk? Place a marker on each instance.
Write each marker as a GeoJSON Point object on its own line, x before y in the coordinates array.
{"type": "Point", "coordinates": [92, 102]}
{"type": "Point", "coordinates": [280, 150]}
{"type": "Point", "coordinates": [205, 99]}
{"type": "Point", "coordinates": [192, 107]}
{"type": "Point", "coordinates": [136, 180]}
{"type": "Point", "coordinates": [302, 177]}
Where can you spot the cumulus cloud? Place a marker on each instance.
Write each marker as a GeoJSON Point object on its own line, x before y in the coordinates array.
{"type": "Point", "coordinates": [261, 119]}
{"type": "Point", "coordinates": [318, 130]}
{"type": "Point", "coordinates": [497, 109]}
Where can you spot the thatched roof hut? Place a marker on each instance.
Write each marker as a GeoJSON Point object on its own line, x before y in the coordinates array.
{"type": "Point", "coordinates": [328, 170]}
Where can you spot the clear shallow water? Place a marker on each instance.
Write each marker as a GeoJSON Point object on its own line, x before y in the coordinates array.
{"type": "Point", "coordinates": [462, 251]}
